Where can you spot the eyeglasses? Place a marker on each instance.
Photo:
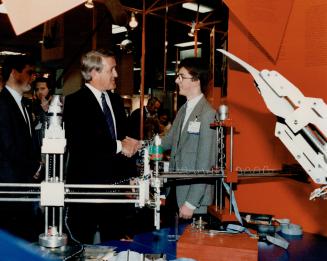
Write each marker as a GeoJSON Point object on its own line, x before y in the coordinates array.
{"type": "Point", "coordinates": [181, 77]}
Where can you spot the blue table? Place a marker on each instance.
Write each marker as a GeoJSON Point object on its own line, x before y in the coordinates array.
{"type": "Point", "coordinates": [155, 242]}
{"type": "Point", "coordinates": [309, 247]}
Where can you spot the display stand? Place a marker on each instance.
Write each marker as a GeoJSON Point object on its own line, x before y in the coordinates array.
{"type": "Point", "coordinates": [223, 209]}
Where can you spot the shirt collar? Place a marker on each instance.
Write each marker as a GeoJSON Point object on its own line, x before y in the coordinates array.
{"type": "Point", "coordinates": [191, 103]}
{"type": "Point", "coordinates": [95, 91]}
{"type": "Point", "coordinates": [17, 96]}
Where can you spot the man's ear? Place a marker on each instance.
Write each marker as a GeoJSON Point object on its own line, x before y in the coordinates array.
{"type": "Point", "coordinates": [13, 73]}
{"type": "Point", "coordinates": [93, 74]}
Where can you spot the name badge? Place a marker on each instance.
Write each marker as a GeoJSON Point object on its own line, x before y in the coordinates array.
{"type": "Point", "coordinates": [194, 127]}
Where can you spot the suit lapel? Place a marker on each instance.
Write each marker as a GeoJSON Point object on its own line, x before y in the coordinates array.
{"type": "Point", "coordinates": [93, 107]}
{"type": "Point", "coordinates": [15, 109]}
{"type": "Point", "coordinates": [180, 124]}
{"type": "Point", "coordinates": [195, 114]}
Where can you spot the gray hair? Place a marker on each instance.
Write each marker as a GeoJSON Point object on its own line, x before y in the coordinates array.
{"type": "Point", "coordinates": [93, 61]}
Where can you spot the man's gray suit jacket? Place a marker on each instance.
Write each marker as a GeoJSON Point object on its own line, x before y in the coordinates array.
{"type": "Point", "coordinates": [193, 152]}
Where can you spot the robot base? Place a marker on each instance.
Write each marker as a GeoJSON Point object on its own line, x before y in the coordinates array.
{"type": "Point", "coordinates": [52, 241]}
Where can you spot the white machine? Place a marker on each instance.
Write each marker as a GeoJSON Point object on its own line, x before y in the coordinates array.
{"type": "Point", "coordinates": [53, 193]}
{"type": "Point", "coordinates": [303, 121]}
{"type": "Point", "coordinates": [302, 128]}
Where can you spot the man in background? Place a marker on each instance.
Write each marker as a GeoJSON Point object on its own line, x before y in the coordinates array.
{"type": "Point", "coordinates": [98, 147]}
{"type": "Point", "coordinates": [19, 160]}
{"type": "Point", "coordinates": [151, 124]}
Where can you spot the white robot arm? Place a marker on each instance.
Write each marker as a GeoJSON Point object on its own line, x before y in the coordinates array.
{"type": "Point", "coordinates": [303, 121]}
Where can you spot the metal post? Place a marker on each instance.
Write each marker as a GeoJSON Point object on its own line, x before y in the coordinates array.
{"type": "Point", "coordinates": [231, 169]}
{"type": "Point", "coordinates": [142, 74]}
{"type": "Point", "coordinates": [46, 225]}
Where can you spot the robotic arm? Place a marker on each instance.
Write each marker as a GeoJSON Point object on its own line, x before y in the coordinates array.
{"type": "Point", "coordinates": [303, 121]}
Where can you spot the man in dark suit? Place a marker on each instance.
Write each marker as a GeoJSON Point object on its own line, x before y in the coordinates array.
{"type": "Point", "coordinates": [191, 140]}
{"type": "Point", "coordinates": [19, 160]}
{"type": "Point", "coordinates": [95, 123]}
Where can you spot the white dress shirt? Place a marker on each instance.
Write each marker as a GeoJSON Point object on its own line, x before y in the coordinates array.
{"type": "Point", "coordinates": [97, 95]}
{"type": "Point", "coordinates": [190, 105]}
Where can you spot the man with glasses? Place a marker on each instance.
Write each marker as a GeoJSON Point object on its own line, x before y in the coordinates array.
{"type": "Point", "coordinates": [19, 160]}
{"type": "Point", "coordinates": [191, 140]}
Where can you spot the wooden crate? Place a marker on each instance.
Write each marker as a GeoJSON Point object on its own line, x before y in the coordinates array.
{"type": "Point", "coordinates": [222, 247]}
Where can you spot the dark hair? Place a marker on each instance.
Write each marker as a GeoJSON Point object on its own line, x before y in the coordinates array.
{"type": "Point", "coordinates": [47, 81]}
{"type": "Point", "coordinates": [152, 101]}
{"type": "Point", "coordinates": [198, 69]}
{"type": "Point", "coordinates": [15, 62]}
{"type": "Point", "coordinates": [163, 112]}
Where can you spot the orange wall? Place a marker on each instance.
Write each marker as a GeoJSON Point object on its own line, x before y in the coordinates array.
{"type": "Point", "coordinates": [288, 36]}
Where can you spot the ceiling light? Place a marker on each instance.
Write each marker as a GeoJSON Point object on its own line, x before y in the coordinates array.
{"type": "Point", "coordinates": [186, 44]}
{"type": "Point", "coordinates": [191, 32]}
{"type": "Point", "coordinates": [11, 53]}
{"type": "Point", "coordinates": [126, 46]}
{"type": "Point", "coordinates": [194, 7]}
{"type": "Point", "coordinates": [116, 29]}
{"type": "Point", "coordinates": [133, 22]}
{"type": "Point", "coordinates": [89, 4]}
{"type": "Point", "coordinates": [170, 73]}
{"type": "Point", "coordinates": [126, 42]}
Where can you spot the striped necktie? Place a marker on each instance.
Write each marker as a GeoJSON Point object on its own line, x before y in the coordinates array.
{"type": "Point", "coordinates": [108, 116]}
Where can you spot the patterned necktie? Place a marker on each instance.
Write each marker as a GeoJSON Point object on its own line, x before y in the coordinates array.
{"type": "Point", "coordinates": [26, 117]}
{"type": "Point", "coordinates": [108, 116]}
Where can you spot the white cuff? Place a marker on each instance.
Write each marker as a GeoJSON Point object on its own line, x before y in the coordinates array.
{"type": "Point", "coordinates": [119, 146]}
{"type": "Point", "coordinates": [189, 205]}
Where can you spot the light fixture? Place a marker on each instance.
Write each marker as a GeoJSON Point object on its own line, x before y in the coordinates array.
{"type": "Point", "coordinates": [133, 22]}
{"type": "Point", "coordinates": [171, 73]}
{"type": "Point", "coordinates": [11, 53]}
{"type": "Point", "coordinates": [126, 46]}
{"type": "Point", "coordinates": [89, 4]}
{"type": "Point", "coordinates": [191, 32]}
{"type": "Point", "coordinates": [187, 44]}
{"type": "Point", "coordinates": [195, 7]}
{"type": "Point", "coordinates": [116, 29]}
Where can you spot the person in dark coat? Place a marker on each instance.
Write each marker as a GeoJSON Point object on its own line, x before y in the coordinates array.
{"type": "Point", "coordinates": [99, 150]}
{"type": "Point", "coordinates": [19, 159]}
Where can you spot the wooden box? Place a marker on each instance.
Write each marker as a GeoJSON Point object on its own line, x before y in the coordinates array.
{"type": "Point", "coordinates": [222, 247]}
